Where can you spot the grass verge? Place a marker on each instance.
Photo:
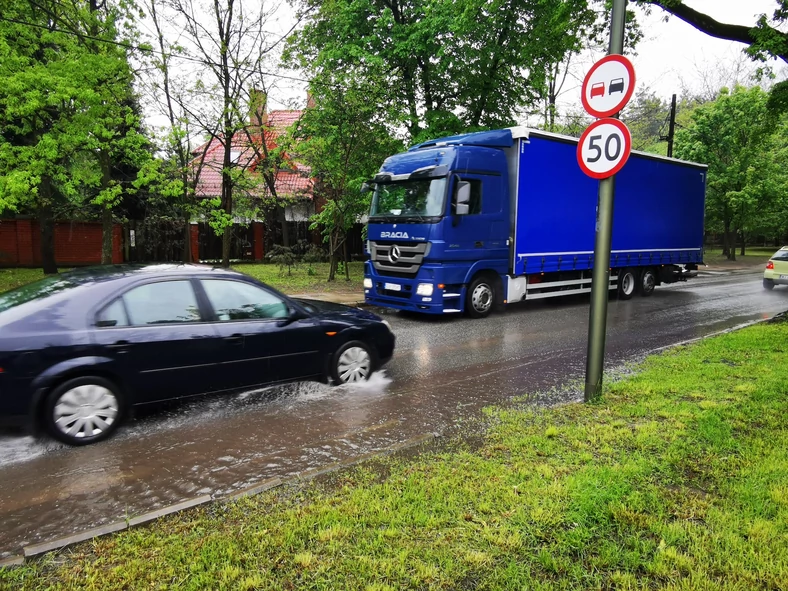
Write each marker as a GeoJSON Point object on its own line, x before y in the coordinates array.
{"type": "Point", "coordinates": [678, 479]}
{"type": "Point", "coordinates": [303, 278]}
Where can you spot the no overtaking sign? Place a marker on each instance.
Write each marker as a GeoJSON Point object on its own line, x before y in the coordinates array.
{"type": "Point", "coordinates": [605, 146]}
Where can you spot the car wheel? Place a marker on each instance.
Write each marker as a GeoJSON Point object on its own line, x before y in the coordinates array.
{"type": "Point", "coordinates": [83, 410]}
{"type": "Point", "coordinates": [768, 284]}
{"type": "Point", "coordinates": [627, 283]}
{"type": "Point", "coordinates": [480, 297]}
{"type": "Point", "coordinates": [648, 282]}
{"type": "Point", "coordinates": [352, 362]}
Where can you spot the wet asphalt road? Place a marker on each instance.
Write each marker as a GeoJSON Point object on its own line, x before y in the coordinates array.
{"type": "Point", "coordinates": [444, 370]}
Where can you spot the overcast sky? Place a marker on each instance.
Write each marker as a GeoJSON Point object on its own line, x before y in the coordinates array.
{"type": "Point", "coordinates": [674, 51]}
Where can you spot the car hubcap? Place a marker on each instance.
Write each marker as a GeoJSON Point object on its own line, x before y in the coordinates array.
{"type": "Point", "coordinates": [354, 365]}
{"type": "Point", "coordinates": [481, 299]}
{"type": "Point", "coordinates": [628, 283]}
{"type": "Point", "coordinates": [86, 411]}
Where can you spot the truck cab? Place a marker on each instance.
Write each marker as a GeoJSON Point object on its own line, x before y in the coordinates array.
{"type": "Point", "coordinates": [439, 217]}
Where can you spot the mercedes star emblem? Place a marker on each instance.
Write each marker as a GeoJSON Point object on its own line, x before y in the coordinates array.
{"type": "Point", "coordinates": [394, 254]}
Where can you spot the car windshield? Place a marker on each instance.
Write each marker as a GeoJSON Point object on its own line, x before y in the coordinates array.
{"type": "Point", "coordinates": [780, 255]}
{"type": "Point", "coordinates": [411, 198]}
{"type": "Point", "coordinates": [34, 291]}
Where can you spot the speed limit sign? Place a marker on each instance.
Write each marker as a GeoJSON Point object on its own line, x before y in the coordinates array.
{"type": "Point", "coordinates": [604, 148]}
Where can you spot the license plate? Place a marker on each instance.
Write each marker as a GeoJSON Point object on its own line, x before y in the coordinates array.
{"type": "Point", "coordinates": [392, 286]}
{"type": "Point", "coordinates": [783, 276]}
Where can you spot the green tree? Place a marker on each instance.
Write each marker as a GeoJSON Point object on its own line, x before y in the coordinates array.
{"type": "Point", "coordinates": [343, 139]}
{"type": "Point", "coordinates": [442, 66]}
{"type": "Point", "coordinates": [66, 103]}
{"type": "Point", "coordinates": [734, 135]}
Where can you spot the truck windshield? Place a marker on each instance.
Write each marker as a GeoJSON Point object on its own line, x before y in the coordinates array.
{"type": "Point", "coordinates": [411, 198]}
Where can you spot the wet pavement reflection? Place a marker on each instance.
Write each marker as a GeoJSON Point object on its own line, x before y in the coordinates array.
{"type": "Point", "coordinates": [444, 371]}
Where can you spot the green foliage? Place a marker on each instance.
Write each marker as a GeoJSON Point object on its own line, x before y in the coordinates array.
{"type": "Point", "coordinates": [442, 66]}
{"type": "Point", "coordinates": [745, 147]}
{"type": "Point", "coordinates": [70, 125]}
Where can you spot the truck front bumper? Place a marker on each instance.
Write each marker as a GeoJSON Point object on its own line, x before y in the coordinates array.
{"type": "Point", "coordinates": [404, 294]}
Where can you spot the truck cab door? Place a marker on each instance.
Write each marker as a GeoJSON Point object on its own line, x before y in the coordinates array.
{"type": "Point", "coordinates": [482, 232]}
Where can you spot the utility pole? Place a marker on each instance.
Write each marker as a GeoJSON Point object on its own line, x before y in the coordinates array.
{"type": "Point", "coordinates": [672, 126]}
{"type": "Point", "coordinates": [597, 325]}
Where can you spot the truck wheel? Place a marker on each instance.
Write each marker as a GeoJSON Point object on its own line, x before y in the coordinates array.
{"type": "Point", "coordinates": [648, 282]}
{"type": "Point", "coordinates": [480, 297]}
{"type": "Point", "coordinates": [627, 283]}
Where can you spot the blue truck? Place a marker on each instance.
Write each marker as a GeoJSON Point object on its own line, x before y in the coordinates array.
{"type": "Point", "coordinates": [472, 222]}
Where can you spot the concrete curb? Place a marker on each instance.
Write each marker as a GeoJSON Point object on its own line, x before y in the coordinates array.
{"type": "Point", "coordinates": [254, 489]}
{"type": "Point", "coordinates": [43, 548]}
{"type": "Point", "coordinates": [12, 561]}
{"type": "Point", "coordinates": [188, 504]}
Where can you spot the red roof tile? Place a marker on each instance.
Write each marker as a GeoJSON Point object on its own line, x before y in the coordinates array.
{"type": "Point", "coordinates": [292, 184]}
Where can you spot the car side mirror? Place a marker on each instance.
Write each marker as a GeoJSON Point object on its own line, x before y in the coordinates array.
{"type": "Point", "coordinates": [293, 315]}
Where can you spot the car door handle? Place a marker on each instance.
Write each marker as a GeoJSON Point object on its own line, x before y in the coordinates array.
{"type": "Point", "coordinates": [120, 346]}
{"type": "Point", "coordinates": [236, 339]}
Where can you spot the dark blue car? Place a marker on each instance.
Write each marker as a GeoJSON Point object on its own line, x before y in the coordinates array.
{"type": "Point", "coordinates": [80, 349]}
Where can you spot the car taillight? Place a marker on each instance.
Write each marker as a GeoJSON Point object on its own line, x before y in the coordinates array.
{"type": "Point", "coordinates": [770, 265]}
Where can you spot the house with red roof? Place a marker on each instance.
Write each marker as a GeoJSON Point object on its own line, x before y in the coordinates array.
{"type": "Point", "coordinates": [293, 186]}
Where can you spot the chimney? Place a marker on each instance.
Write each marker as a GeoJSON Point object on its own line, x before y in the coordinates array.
{"type": "Point", "coordinates": [258, 114]}
{"type": "Point", "coordinates": [310, 100]}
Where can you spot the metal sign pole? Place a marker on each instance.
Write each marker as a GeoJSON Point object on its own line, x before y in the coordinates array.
{"type": "Point", "coordinates": [604, 234]}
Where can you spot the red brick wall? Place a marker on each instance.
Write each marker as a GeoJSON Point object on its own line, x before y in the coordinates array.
{"type": "Point", "coordinates": [76, 243]}
{"type": "Point", "coordinates": [194, 230]}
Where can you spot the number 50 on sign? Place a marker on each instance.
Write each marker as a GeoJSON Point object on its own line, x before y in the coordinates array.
{"type": "Point", "coordinates": [604, 148]}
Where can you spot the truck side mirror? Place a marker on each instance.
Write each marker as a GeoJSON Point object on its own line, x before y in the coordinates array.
{"type": "Point", "coordinates": [365, 187]}
{"type": "Point", "coordinates": [462, 198]}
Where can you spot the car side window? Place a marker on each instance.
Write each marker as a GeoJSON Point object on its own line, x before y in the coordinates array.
{"type": "Point", "coordinates": [113, 315]}
{"type": "Point", "coordinates": [165, 302]}
{"type": "Point", "coordinates": [235, 300]}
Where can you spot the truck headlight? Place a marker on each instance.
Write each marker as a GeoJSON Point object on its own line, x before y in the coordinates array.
{"type": "Point", "coordinates": [367, 283]}
{"type": "Point", "coordinates": [424, 289]}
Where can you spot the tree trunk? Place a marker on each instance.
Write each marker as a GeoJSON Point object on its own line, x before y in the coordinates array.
{"type": "Point", "coordinates": [347, 261]}
{"type": "Point", "coordinates": [106, 214]}
{"type": "Point", "coordinates": [46, 222]}
{"type": "Point", "coordinates": [732, 244]}
{"type": "Point", "coordinates": [106, 236]}
{"type": "Point", "coordinates": [332, 247]}
{"type": "Point", "coordinates": [726, 251]}
{"type": "Point", "coordinates": [743, 244]}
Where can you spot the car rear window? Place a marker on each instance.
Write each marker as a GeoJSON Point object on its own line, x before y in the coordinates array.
{"type": "Point", "coordinates": [34, 291]}
{"type": "Point", "coordinates": [780, 255]}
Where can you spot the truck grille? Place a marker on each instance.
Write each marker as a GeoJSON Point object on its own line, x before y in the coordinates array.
{"type": "Point", "coordinates": [400, 259]}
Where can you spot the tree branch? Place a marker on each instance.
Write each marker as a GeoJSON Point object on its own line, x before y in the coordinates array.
{"type": "Point", "coordinates": [705, 24]}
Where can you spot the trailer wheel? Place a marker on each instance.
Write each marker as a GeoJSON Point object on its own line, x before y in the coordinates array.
{"type": "Point", "coordinates": [480, 297]}
{"type": "Point", "coordinates": [648, 282]}
{"type": "Point", "coordinates": [627, 283]}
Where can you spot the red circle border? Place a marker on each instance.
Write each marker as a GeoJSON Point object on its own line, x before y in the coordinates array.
{"type": "Point", "coordinates": [627, 148]}
{"type": "Point", "coordinates": [615, 57]}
